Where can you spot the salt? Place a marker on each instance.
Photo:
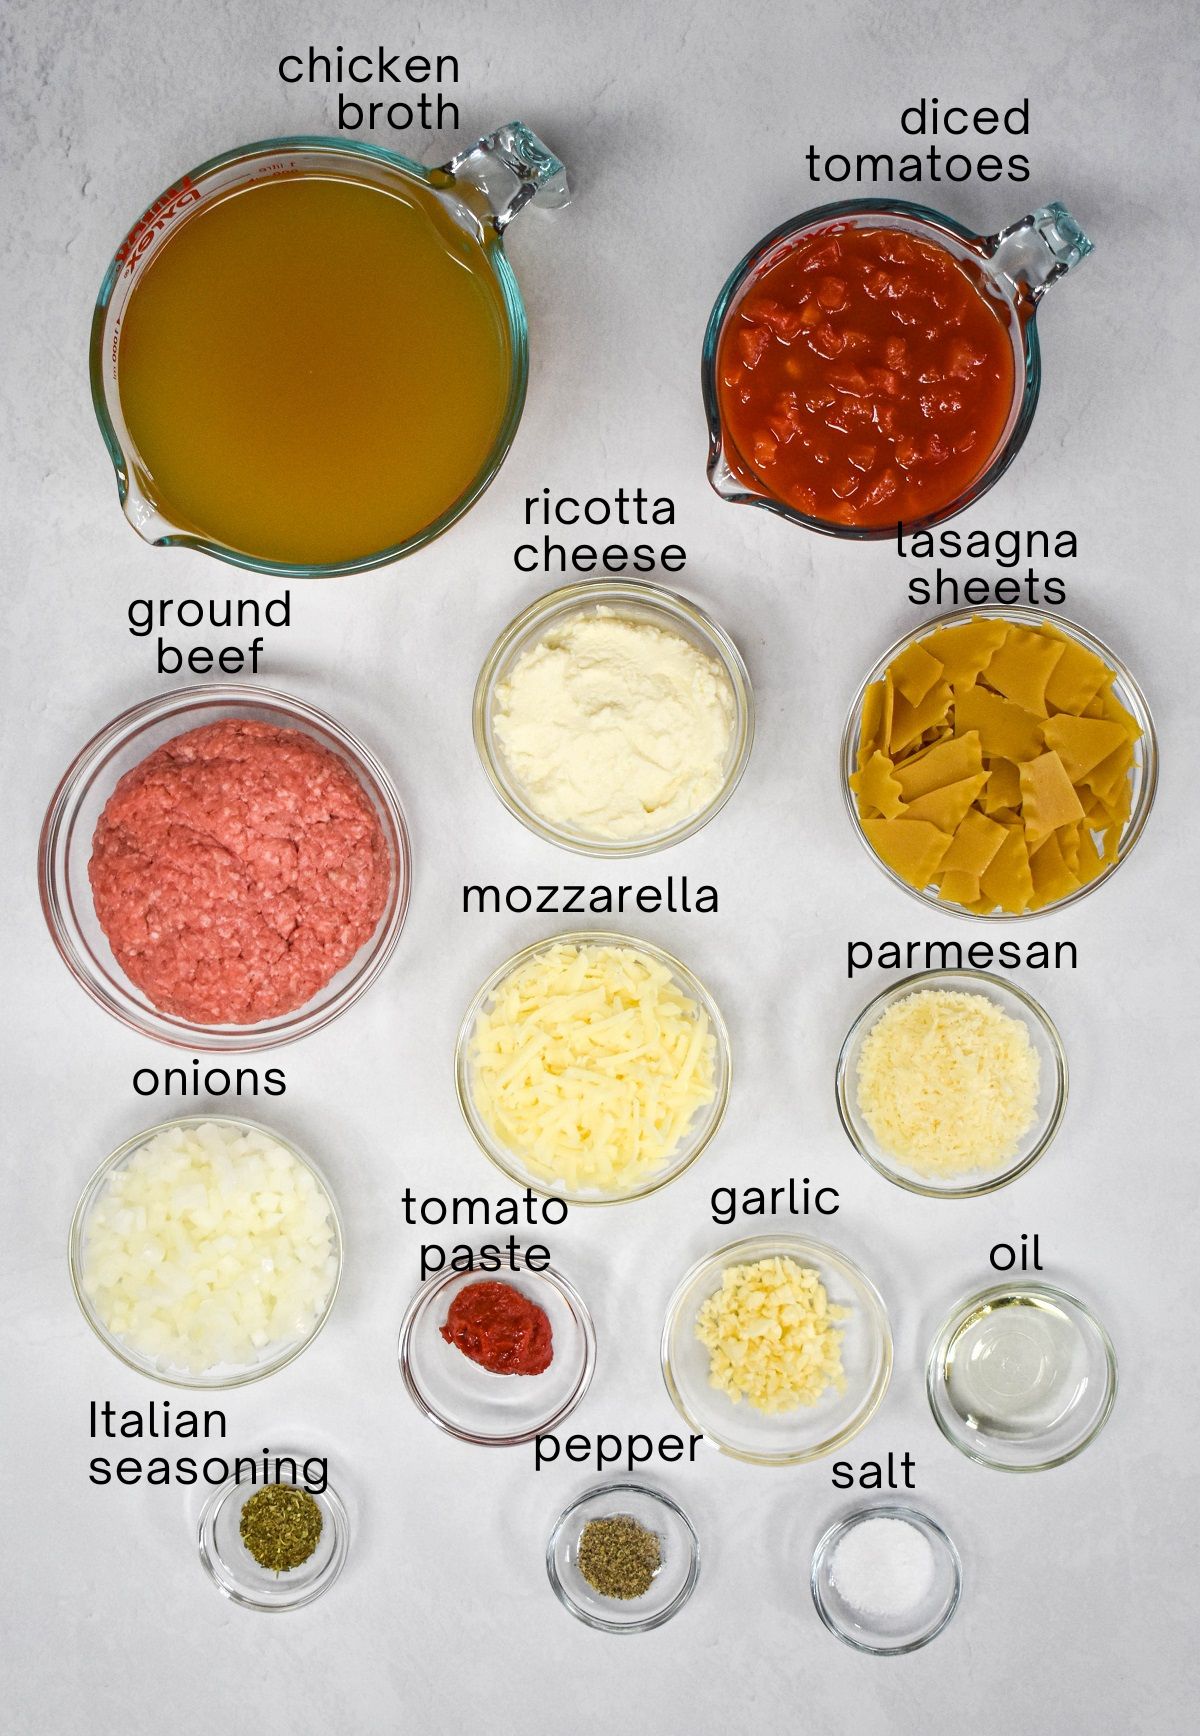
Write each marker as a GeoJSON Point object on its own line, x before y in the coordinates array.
{"type": "Point", "coordinates": [883, 1567]}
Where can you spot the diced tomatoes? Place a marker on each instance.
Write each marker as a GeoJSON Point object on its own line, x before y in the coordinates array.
{"type": "Point", "coordinates": [865, 377]}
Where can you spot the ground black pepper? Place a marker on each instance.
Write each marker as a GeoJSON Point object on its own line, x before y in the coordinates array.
{"type": "Point", "coordinates": [618, 1557]}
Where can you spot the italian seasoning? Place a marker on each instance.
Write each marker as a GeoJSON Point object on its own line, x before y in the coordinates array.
{"type": "Point", "coordinates": [281, 1526]}
{"type": "Point", "coordinates": [618, 1557]}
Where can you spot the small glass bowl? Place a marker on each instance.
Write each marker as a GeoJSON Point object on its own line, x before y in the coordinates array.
{"type": "Point", "coordinates": [234, 1571]}
{"type": "Point", "coordinates": [66, 845]}
{"type": "Point", "coordinates": [673, 1584]}
{"type": "Point", "coordinates": [638, 602]}
{"type": "Point", "coordinates": [224, 1375]}
{"type": "Point", "coordinates": [810, 1431]}
{"type": "Point", "coordinates": [1062, 1366]}
{"type": "Point", "coordinates": [707, 1120]}
{"type": "Point", "coordinates": [1126, 689]}
{"type": "Point", "coordinates": [883, 1636]}
{"type": "Point", "coordinates": [496, 1410]}
{"type": "Point", "coordinates": [1052, 1091]}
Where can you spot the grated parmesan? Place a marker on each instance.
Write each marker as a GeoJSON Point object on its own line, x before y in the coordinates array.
{"type": "Point", "coordinates": [589, 1065]}
{"type": "Point", "coordinates": [771, 1337]}
{"type": "Point", "coordinates": [948, 1082]}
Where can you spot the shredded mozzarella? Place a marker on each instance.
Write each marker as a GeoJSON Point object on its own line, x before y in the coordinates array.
{"type": "Point", "coordinates": [590, 1064]}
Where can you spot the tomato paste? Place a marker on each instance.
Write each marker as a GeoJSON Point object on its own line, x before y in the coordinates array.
{"type": "Point", "coordinates": [500, 1328]}
{"type": "Point", "coordinates": [864, 378]}
{"type": "Point", "coordinates": [236, 870]}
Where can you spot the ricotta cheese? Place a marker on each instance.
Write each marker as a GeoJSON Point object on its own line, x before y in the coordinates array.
{"type": "Point", "coordinates": [615, 727]}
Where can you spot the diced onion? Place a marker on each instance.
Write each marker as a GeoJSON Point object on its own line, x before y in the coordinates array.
{"type": "Point", "coordinates": [212, 1246]}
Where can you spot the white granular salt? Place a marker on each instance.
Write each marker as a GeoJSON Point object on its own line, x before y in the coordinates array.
{"type": "Point", "coordinates": [883, 1567]}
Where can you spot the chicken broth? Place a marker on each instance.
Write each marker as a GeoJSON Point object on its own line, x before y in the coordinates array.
{"type": "Point", "coordinates": [314, 369]}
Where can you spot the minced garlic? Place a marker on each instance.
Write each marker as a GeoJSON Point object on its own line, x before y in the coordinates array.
{"type": "Point", "coordinates": [615, 727]}
{"type": "Point", "coordinates": [771, 1336]}
{"type": "Point", "coordinates": [948, 1082]}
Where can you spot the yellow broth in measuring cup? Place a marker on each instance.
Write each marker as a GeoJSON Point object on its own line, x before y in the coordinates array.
{"type": "Point", "coordinates": [318, 361]}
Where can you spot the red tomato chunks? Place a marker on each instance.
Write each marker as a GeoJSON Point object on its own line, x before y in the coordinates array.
{"type": "Point", "coordinates": [864, 378]}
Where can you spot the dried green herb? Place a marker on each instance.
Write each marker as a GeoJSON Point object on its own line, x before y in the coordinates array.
{"type": "Point", "coordinates": [618, 1557]}
{"type": "Point", "coordinates": [281, 1526]}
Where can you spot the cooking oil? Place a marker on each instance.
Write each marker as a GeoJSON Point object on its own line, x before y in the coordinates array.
{"type": "Point", "coordinates": [1016, 1367]}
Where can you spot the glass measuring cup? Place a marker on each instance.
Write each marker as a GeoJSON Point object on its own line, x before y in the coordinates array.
{"type": "Point", "coordinates": [1011, 269]}
{"type": "Point", "coordinates": [482, 189]}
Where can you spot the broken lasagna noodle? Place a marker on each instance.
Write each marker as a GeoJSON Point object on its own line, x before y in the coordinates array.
{"type": "Point", "coordinates": [996, 766]}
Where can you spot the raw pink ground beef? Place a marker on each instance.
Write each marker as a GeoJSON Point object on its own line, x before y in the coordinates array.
{"type": "Point", "coordinates": [237, 869]}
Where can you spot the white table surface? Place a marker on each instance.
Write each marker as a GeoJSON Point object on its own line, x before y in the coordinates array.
{"type": "Point", "coordinates": [684, 129]}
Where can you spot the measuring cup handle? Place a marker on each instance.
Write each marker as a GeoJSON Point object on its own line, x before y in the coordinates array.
{"type": "Point", "coordinates": [1038, 250]}
{"type": "Point", "coordinates": [510, 167]}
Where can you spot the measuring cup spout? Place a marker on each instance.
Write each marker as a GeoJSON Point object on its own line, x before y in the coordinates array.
{"type": "Point", "coordinates": [725, 481]}
{"type": "Point", "coordinates": [511, 168]}
{"type": "Point", "coordinates": [143, 513]}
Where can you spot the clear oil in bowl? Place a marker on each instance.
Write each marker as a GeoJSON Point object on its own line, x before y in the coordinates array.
{"type": "Point", "coordinates": [1016, 1369]}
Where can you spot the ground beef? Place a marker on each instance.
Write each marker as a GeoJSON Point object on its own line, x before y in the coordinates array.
{"type": "Point", "coordinates": [236, 870]}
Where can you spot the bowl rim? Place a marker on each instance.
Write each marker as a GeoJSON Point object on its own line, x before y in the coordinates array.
{"type": "Point", "coordinates": [624, 1486]}
{"type": "Point", "coordinates": [697, 991]}
{"type": "Point", "coordinates": [598, 593]}
{"type": "Point", "coordinates": [222, 699]}
{"type": "Point", "coordinates": [868, 1017]}
{"type": "Point", "coordinates": [934, 1385]}
{"type": "Point", "coordinates": [212, 1560]}
{"type": "Point", "coordinates": [1020, 614]}
{"type": "Point", "coordinates": [911, 1516]}
{"type": "Point", "coordinates": [429, 1288]}
{"type": "Point", "coordinates": [763, 1247]}
{"type": "Point", "coordinates": [87, 1198]}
